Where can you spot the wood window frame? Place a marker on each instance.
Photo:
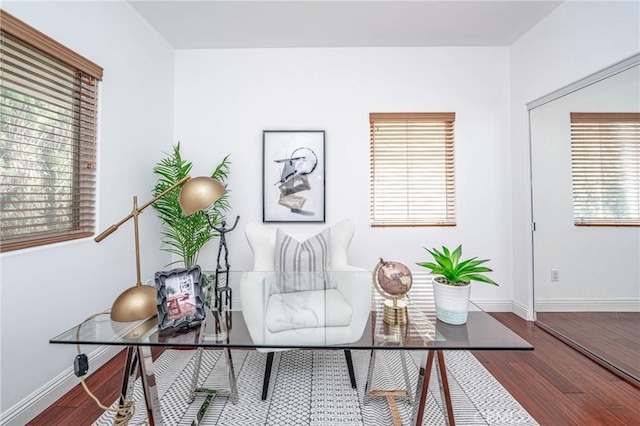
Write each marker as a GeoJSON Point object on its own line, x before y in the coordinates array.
{"type": "Point", "coordinates": [605, 168]}
{"type": "Point", "coordinates": [31, 81]}
{"type": "Point", "coordinates": [412, 174]}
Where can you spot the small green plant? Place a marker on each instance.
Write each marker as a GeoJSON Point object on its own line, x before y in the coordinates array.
{"type": "Point", "coordinates": [454, 271]}
{"type": "Point", "coordinates": [183, 235]}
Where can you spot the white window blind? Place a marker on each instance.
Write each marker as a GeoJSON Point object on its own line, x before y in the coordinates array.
{"type": "Point", "coordinates": [47, 139]}
{"type": "Point", "coordinates": [605, 165]}
{"type": "Point", "coordinates": [412, 169]}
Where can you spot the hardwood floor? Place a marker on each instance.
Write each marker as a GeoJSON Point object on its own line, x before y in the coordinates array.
{"type": "Point", "coordinates": [611, 336]}
{"type": "Point", "coordinates": [559, 386]}
{"type": "Point", "coordinates": [556, 384]}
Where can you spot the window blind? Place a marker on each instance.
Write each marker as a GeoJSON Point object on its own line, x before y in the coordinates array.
{"type": "Point", "coordinates": [605, 165]}
{"type": "Point", "coordinates": [47, 141]}
{"type": "Point", "coordinates": [412, 169]}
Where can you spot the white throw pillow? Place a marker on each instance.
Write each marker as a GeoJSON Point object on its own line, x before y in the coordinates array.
{"type": "Point", "coordinates": [302, 265]}
{"type": "Point", "coordinates": [262, 240]}
{"type": "Point", "coordinates": [309, 255]}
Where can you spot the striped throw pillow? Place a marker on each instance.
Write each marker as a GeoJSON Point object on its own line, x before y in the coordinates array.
{"type": "Point", "coordinates": [302, 265]}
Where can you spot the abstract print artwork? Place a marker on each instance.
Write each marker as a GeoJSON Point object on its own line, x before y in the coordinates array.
{"type": "Point", "coordinates": [293, 167]}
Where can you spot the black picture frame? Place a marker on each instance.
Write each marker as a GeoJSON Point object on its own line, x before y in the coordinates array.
{"type": "Point", "coordinates": [180, 298]}
{"type": "Point", "coordinates": [293, 176]}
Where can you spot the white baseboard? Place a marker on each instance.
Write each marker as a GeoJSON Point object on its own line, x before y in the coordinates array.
{"type": "Point", "coordinates": [522, 311]}
{"type": "Point", "coordinates": [588, 305]}
{"type": "Point", "coordinates": [35, 403]}
{"type": "Point", "coordinates": [489, 305]}
{"type": "Point", "coordinates": [504, 306]}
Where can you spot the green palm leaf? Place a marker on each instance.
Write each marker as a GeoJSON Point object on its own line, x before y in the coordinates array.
{"type": "Point", "coordinates": [184, 236]}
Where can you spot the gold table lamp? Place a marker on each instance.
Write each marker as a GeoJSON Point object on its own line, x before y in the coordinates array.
{"type": "Point", "coordinates": [139, 302]}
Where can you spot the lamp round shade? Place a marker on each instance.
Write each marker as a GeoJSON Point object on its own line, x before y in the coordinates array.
{"type": "Point", "coordinates": [135, 303]}
{"type": "Point", "coordinates": [199, 193]}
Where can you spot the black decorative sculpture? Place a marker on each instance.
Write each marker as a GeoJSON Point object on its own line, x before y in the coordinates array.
{"type": "Point", "coordinates": [223, 230]}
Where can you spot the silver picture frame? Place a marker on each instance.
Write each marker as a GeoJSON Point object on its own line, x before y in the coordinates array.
{"type": "Point", "coordinates": [180, 298]}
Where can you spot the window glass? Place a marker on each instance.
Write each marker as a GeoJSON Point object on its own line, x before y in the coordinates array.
{"type": "Point", "coordinates": [412, 169]}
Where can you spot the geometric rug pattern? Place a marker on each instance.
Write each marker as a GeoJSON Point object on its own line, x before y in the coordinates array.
{"type": "Point", "coordinates": [312, 387]}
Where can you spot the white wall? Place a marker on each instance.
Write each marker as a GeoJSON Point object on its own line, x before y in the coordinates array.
{"type": "Point", "coordinates": [48, 290]}
{"type": "Point", "coordinates": [599, 267]}
{"type": "Point", "coordinates": [225, 99]}
{"type": "Point", "coordinates": [576, 40]}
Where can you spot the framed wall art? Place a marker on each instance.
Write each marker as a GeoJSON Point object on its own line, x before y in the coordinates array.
{"type": "Point", "coordinates": [293, 176]}
{"type": "Point", "coordinates": [180, 299]}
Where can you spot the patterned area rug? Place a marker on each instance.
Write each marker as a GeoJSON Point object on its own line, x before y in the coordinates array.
{"type": "Point", "coordinates": [313, 388]}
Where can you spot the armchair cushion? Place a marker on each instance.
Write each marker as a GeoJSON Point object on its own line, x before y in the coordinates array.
{"type": "Point", "coordinates": [307, 310]}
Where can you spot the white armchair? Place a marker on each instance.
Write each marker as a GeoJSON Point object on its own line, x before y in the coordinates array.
{"type": "Point", "coordinates": [324, 307]}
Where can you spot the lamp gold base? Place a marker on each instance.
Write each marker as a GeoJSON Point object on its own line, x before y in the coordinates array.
{"type": "Point", "coordinates": [395, 313]}
{"type": "Point", "coordinates": [135, 303]}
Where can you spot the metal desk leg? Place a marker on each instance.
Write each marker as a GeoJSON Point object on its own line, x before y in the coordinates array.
{"type": "Point", "coordinates": [149, 386]}
{"type": "Point", "coordinates": [422, 388]}
{"type": "Point", "coordinates": [128, 379]}
{"type": "Point", "coordinates": [232, 376]}
{"type": "Point", "coordinates": [196, 373]}
{"type": "Point", "coordinates": [221, 323]}
{"type": "Point", "coordinates": [367, 386]}
{"type": "Point", "coordinates": [389, 394]}
{"type": "Point", "coordinates": [405, 372]}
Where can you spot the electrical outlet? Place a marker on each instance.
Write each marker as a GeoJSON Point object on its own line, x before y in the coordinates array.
{"type": "Point", "coordinates": [555, 275]}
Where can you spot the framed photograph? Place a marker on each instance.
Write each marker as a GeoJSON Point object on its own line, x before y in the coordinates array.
{"type": "Point", "coordinates": [293, 170]}
{"type": "Point", "coordinates": [180, 299]}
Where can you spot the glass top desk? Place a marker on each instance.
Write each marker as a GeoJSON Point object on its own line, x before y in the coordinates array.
{"type": "Point", "coordinates": [271, 311]}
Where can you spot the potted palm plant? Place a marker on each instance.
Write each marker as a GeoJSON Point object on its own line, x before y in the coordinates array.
{"type": "Point", "coordinates": [452, 283]}
{"type": "Point", "coordinates": [184, 236]}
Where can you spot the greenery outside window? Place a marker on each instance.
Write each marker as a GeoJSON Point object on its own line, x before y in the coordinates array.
{"type": "Point", "coordinates": [605, 165]}
{"type": "Point", "coordinates": [48, 105]}
{"type": "Point", "coordinates": [412, 169]}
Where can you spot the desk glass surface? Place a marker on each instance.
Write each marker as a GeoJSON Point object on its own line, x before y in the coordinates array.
{"type": "Point", "coordinates": [229, 328]}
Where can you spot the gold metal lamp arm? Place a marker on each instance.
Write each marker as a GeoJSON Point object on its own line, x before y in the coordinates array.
{"type": "Point", "coordinates": [139, 302]}
{"type": "Point", "coordinates": [110, 230]}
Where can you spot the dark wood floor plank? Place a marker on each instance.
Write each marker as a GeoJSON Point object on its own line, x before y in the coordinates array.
{"type": "Point", "coordinates": [613, 336]}
{"type": "Point", "coordinates": [628, 416]}
{"type": "Point", "coordinates": [546, 403]}
{"type": "Point", "coordinates": [601, 414]}
{"type": "Point", "coordinates": [596, 396]}
{"type": "Point", "coordinates": [54, 416]}
{"type": "Point", "coordinates": [77, 396]}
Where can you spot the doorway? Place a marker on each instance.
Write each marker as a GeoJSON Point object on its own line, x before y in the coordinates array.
{"type": "Point", "coordinates": [586, 278]}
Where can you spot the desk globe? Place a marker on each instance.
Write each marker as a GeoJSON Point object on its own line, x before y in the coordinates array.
{"type": "Point", "coordinates": [393, 280]}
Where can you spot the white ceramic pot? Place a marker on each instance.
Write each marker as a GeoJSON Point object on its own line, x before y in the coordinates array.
{"type": "Point", "coordinates": [452, 302]}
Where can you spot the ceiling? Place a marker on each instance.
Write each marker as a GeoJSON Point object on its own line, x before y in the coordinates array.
{"type": "Point", "coordinates": [340, 23]}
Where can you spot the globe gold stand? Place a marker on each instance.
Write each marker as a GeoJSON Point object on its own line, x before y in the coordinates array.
{"type": "Point", "coordinates": [394, 310]}
{"type": "Point", "coordinates": [395, 333]}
